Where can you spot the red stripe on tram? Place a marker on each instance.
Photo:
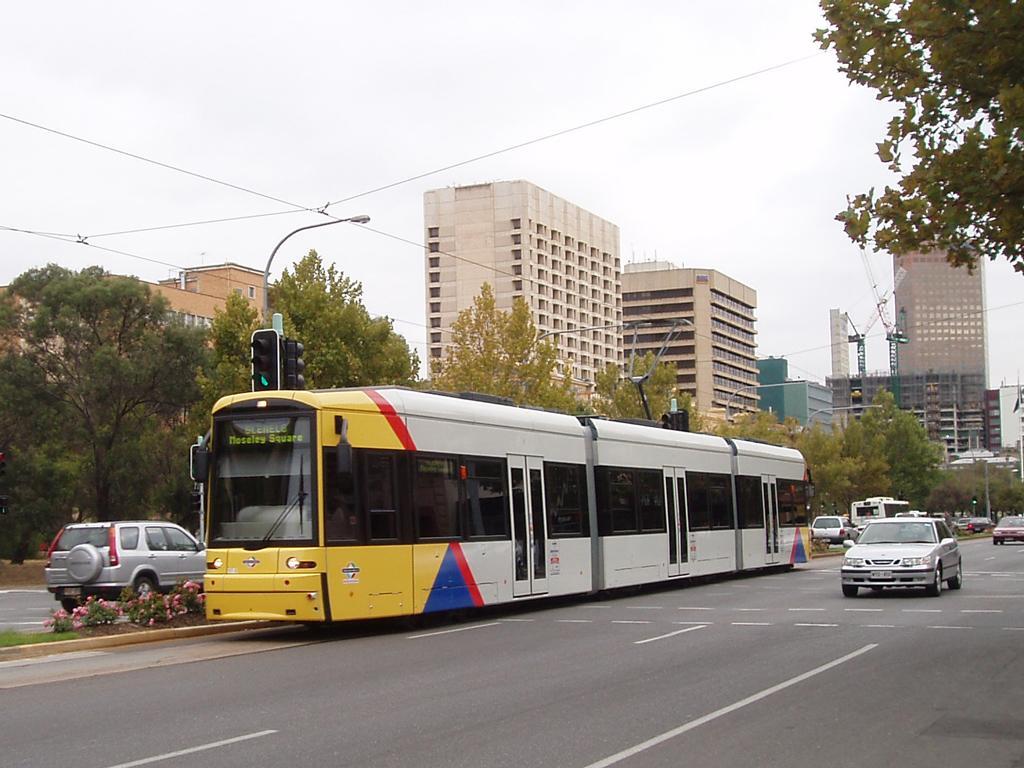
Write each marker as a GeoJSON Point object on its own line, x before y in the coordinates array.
{"type": "Point", "coordinates": [397, 425]}
{"type": "Point", "coordinates": [467, 574]}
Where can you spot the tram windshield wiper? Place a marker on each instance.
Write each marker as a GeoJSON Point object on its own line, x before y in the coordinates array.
{"type": "Point", "coordinates": [300, 497]}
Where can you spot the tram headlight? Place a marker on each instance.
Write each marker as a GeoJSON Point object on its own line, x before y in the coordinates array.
{"type": "Point", "coordinates": [214, 564]}
{"type": "Point", "coordinates": [293, 562]}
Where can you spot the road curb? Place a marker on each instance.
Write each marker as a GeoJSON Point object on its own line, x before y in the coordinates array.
{"type": "Point", "coordinates": [36, 650]}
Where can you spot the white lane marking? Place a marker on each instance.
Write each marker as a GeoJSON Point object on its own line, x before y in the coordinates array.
{"type": "Point", "coordinates": [701, 623]}
{"type": "Point", "coordinates": [457, 629]}
{"type": "Point", "coordinates": [51, 659]}
{"type": "Point", "coordinates": [192, 750]}
{"type": "Point", "coordinates": [864, 610]}
{"type": "Point", "coordinates": [22, 591]}
{"type": "Point", "coordinates": [597, 606]}
{"type": "Point", "coordinates": [1014, 629]}
{"type": "Point", "coordinates": [880, 626]}
{"type": "Point", "coordinates": [939, 626]}
{"type": "Point", "coordinates": [670, 634]}
{"type": "Point", "coordinates": [22, 623]}
{"type": "Point", "coordinates": [520, 620]}
{"type": "Point", "coordinates": [693, 608]}
{"type": "Point", "coordinates": [643, 746]}
{"type": "Point", "coordinates": [574, 621]}
{"type": "Point", "coordinates": [646, 607]}
{"type": "Point", "coordinates": [751, 623]}
{"type": "Point", "coordinates": [921, 610]}
{"type": "Point", "coordinates": [810, 610]}
{"type": "Point", "coordinates": [981, 610]}
{"type": "Point", "coordinates": [750, 609]}
{"type": "Point", "coordinates": [815, 625]}
{"type": "Point", "coordinates": [629, 621]}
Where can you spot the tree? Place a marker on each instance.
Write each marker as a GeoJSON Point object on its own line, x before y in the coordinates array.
{"type": "Point", "coordinates": [344, 346]}
{"type": "Point", "coordinates": [763, 426]}
{"type": "Point", "coordinates": [913, 461]}
{"type": "Point", "coordinates": [617, 397]}
{"type": "Point", "coordinates": [98, 367]}
{"type": "Point", "coordinates": [498, 353]}
{"type": "Point", "coordinates": [955, 71]}
{"type": "Point", "coordinates": [229, 367]}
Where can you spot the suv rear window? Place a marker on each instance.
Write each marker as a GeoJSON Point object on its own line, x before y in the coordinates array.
{"type": "Point", "coordinates": [827, 522]}
{"type": "Point", "coordinates": [72, 537]}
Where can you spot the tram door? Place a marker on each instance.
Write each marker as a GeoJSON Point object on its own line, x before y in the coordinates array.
{"type": "Point", "coordinates": [529, 526]}
{"type": "Point", "coordinates": [770, 505]}
{"type": "Point", "coordinates": [678, 529]}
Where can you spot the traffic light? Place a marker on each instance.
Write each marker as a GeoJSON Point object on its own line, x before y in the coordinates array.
{"type": "Point", "coordinates": [974, 503]}
{"type": "Point", "coordinates": [294, 365]}
{"type": "Point", "coordinates": [266, 360]}
{"type": "Point", "coordinates": [197, 501]}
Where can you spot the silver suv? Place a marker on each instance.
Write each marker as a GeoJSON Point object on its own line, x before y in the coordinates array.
{"type": "Point", "coordinates": [103, 558]}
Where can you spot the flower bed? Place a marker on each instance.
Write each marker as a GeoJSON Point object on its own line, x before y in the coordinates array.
{"type": "Point", "coordinates": [183, 606]}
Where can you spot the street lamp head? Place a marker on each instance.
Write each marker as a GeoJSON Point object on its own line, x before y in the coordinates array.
{"type": "Point", "coordinates": [360, 219]}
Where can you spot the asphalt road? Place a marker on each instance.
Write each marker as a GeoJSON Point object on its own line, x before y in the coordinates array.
{"type": "Point", "coordinates": [776, 670]}
{"type": "Point", "coordinates": [24, 609]}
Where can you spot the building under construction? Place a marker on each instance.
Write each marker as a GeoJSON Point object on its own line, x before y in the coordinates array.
{"type": "Point", "coordinates": [939, 367]}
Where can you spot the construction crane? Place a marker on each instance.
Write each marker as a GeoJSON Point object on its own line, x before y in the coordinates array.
{"type": "Point", "coordinates": [895, 332]}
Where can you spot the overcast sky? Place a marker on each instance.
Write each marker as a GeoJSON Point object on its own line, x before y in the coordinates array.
{"type": "Point", "coordinates": [318, 102]}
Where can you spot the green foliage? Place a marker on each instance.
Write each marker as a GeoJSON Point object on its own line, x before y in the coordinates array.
{"type": "Point", "coordinates": [344, 346]}
{"type": "Point", "coordinates": [763, 426]}
{"type": "Point", "coordinates": [884, 453]}
{"type": "Point", "coordinates": [956, 487]}
{"type": "Point", "coordinates": [955, 72]}
{"type": "Point", "coordinates": [617, 397]}
{"type": "Point", "coordinates": [497, 353]}
{"type": "Point", "coordinates": [97, 372]}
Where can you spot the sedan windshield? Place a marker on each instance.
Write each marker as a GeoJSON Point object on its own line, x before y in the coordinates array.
{"type": "Point", "coordinates": [262, 481]}
{"type": "Point", "coordinates": [902, 533]}
{"type": "Point", "coordinates": [1011, 522]}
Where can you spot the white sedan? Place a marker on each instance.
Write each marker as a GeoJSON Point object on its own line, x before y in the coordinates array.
{"type": "Point", "coordinates": [903, 552]}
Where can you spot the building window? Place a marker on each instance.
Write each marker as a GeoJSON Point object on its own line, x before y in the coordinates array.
{"type": "Point", "coordinates": [252, 291]}
{"type": "Point", "coordinates": [435, 277]}
{"type": "Point", "coordinates": [432, 231]}
{"type": "Point", "coordinates": [435, 306]}
{"type": "Point", "coordinates": [435, 292]}
{"type": "Point", "coordinates": [435, 338]}
{"type": "Point", "coordinates": [435, 322]}
{"type": "Point", "coordinates": [516, 223]}
{"type": "Point", "coordinates": [434, 247]}
{"type": "Point", "coordinates": [238, 291]}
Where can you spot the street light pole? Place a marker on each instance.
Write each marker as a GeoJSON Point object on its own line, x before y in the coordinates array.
{"type": "Point", "coordinates": [361, 219]}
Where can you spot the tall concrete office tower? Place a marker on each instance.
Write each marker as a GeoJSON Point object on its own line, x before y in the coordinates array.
{"type": "Point", "coordinates": [715, 352]}
{"type": "Point", "coordinates": [839, 334]}
{"type": "Point", "coordinates": [524, 241]}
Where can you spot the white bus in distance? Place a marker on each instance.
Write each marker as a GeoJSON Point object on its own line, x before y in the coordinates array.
{"type": "Point", "coordinates": [863, 512]}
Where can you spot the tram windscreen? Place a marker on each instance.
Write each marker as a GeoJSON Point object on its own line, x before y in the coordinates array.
{"type": "Point", "coordinates": [262, 485]}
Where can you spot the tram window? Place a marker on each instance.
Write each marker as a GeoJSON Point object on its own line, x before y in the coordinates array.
{"type": "Point", "coordinates": [381, 505]}
{"type": "Point", "coordinates": [567, 500]}
{"type": "Point", "coordinates": [720, 500]}
{"type": "Point", "coordinates": [792, 502]}
{"type": "Point", "coordinates": [616, 501]}
{"type": "Point", "coordinates": [748, 499]}
{"type": "Point", "coordinates": [341, 512]}
{"type": "Point", "coordinates": [436, 490]}
{"type": "Point", "coordinates": [486, 499]}
{"type": "Point", "coordinates": [651, 498]}
{"type": "Point", "coordinates": [697, 501]}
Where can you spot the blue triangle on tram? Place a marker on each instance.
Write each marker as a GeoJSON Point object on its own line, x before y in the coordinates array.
{"type": "Point", "coordinates": [799, 553]}
{"type": "Point", "coordinates": [450, 591]}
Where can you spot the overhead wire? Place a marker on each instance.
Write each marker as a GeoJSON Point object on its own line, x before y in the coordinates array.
{"type": "Point", "coordinates": [298, 208]}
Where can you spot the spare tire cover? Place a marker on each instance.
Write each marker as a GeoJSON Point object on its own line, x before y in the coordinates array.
{"type": "Point", "coordinates": [84, 562]}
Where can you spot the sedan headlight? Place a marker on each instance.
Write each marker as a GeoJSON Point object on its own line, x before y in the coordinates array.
{"type": "Point", "coordinates": [909, 562]}
{"type": "Point", "coordinates": [855, 562]}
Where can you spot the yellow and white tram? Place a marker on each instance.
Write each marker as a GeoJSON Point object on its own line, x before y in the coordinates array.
{"type": "Point", "coordinates": [350, 504]}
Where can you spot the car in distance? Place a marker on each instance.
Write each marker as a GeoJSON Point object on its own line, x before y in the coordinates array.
{"type": "Point", "coordinates": [834, 528]}
{"type": "Point", "coordinates": [1010, 528]}
{"type": "Point", "coordinates": [903, 552]}
{"type": "Point", "coordinates": [976, 524]}
{"type": "Point", "coordinates": [102, 559]}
